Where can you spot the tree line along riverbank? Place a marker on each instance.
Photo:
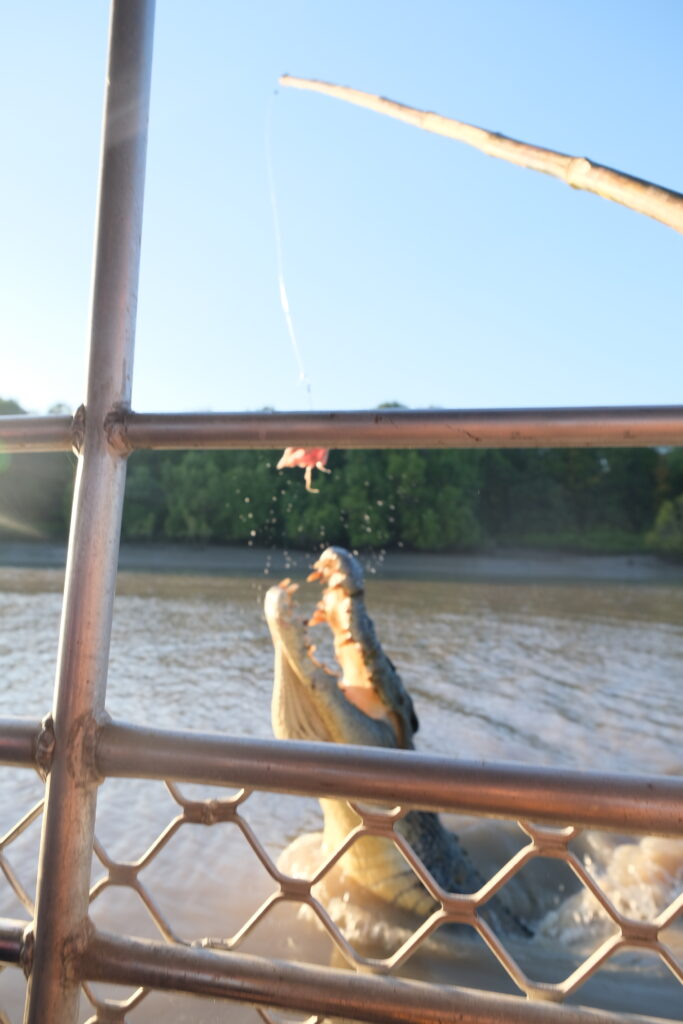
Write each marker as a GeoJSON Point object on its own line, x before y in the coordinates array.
{"type": "Point", "coordinates": [593, 500]}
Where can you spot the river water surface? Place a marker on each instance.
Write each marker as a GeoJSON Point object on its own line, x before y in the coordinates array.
{"type": "Point", "coordinates": [581, 674]}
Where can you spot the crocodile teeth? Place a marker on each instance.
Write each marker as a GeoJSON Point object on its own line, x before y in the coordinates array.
{"type": "Point", "coordinates": [310, 651]}
{"type": "Point", "coordinates": [318, 616]}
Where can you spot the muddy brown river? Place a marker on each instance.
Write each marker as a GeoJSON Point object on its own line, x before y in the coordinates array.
{"type": "Point", "coordinates": [581, 674]}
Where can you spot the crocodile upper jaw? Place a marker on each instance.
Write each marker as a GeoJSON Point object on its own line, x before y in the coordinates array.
{"type": "Point", "coordinates": [308, 701]}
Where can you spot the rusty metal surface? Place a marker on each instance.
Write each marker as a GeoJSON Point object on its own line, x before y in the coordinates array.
{"type": "Point", "coordinates": [635, 426]}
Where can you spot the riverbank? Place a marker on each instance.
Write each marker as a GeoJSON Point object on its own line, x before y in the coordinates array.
{"type": "Point", "coordinates": [500, 566]}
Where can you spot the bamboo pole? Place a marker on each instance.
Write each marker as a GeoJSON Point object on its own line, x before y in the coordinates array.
{"type": "Point", "coordinates": [654, 201]}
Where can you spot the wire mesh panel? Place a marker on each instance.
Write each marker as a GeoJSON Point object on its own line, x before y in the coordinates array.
{"type": "Point", "coordinates": [182, 886]}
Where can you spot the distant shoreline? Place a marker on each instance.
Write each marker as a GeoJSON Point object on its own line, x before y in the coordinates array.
{"type": "Point", "coordinates": [511, 566]}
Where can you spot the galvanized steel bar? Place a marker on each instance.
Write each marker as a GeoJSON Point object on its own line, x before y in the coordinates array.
{"type": "Point", "coordinates": [637, 426]}
{"type": "Point", "coordinates": [68, 823]}
{"type": "Point", "coordinates": [393, 428]}
{"type": "Point", "coordinates": [35, 433]}
{"type": "Point", "coordinates": [318, 990]}
{"type": "Point", "coordinates": [19, 739]}
{"type": "Point", "coordinates": [13, 946]}
{"type": "Point", "coordinates": [631, 804]}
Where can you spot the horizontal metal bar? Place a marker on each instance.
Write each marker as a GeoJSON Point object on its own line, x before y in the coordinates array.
{"type": "Point", "coordinates": [637, 426]}
{"type": "Point", "coordinates": [651, 804]}
{"type": "Point", "coordinates": [392, 428]}
{"type": "Point", "coordinates": [319, 990]}
{"type": "Point", "coordinates": [35, 433]}
{"type": "Point", "coordinates": [19, 739]}
{"type": "Point", "coordinates": [12, 940]}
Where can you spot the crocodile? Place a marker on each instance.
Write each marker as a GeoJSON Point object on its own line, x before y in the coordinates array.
{"type": "Point", "coordinates": [364, 702]}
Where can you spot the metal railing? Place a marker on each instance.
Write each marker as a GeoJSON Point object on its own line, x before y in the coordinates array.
{"type": "Point", "coordinates": [128, 431]}
{"type": "Point", "coordinates": [77, 745]}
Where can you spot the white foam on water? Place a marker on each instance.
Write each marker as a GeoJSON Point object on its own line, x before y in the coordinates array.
{"type": "Point", "coordinates": [640, 878]}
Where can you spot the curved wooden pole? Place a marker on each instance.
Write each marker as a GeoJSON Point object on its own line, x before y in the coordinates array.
{"type": "Point", "coordinates": [654, 201]}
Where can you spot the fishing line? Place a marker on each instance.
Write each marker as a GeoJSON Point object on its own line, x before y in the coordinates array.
{"type": "Point", "coordinates": [279, 261]}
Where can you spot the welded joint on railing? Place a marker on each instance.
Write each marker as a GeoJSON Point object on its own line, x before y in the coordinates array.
{"type": "Point", "coordinates": [82, 744]}
{"type": "Point", "coordinates": [45, 746]}
{"type": "Point", "coordinates": [116, 430]}
{"type": "Point", "coordinates": [78, 430]}
{"type": "Point", "coordinates": [26, 951]}
{"type": "Point", "coordinates": [74, 951]}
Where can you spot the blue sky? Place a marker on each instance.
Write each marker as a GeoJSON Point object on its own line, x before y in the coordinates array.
{"type": "Point", "coordinates": [417, 270]}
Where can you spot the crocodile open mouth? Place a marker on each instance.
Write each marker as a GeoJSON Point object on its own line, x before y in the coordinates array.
{"type": "Point", "coordinates": [310, 698]}
{"type": "Point", "coordinates": [362, 701]}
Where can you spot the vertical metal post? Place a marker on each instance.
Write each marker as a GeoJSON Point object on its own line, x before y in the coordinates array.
{"type": "Point", "coordinates": [80, 685]}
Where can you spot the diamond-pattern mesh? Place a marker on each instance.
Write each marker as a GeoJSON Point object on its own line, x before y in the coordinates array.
{"type": "Point", "coordinates": [17, 895]}
{"type": "Point", "coordinates": [540, 842]}
{"type": "Point", "coordinates": [17, 830]}
{"type": "Point", "coordinates": [626, 932]}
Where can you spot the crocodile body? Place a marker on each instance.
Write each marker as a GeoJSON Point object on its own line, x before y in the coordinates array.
{"type": "Point", "coordinates": [365, 703]}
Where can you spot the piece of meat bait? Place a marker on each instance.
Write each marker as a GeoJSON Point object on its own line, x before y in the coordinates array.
{"type": "Point", "coordinates": [307, 459]}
